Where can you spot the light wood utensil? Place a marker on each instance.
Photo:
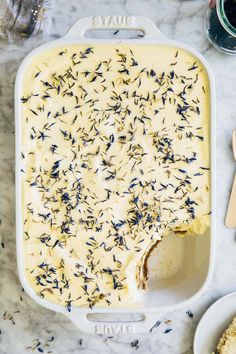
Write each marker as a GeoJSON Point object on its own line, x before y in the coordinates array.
{"type": "Point", "coordinates": [230, 220]}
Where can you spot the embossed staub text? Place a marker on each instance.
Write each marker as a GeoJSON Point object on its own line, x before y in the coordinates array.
{"type": "Point", "coordinates": [112, 21]}
{"type": "Point", "coordinates": [114, 329]}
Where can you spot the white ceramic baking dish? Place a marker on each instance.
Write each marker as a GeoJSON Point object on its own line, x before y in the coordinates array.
{"type": "Point", "coordinates": [193, 256]}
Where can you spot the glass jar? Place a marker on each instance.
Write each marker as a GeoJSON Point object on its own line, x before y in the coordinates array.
{"type": "Point", "coordinates": [220, 25]}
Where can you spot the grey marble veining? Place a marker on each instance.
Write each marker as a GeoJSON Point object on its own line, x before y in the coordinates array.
{"type": "Point", "coordinates": [23, 323]}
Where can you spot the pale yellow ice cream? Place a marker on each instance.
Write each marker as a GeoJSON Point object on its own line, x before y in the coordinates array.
{"type": "Point", "coordinates": [115, 154]}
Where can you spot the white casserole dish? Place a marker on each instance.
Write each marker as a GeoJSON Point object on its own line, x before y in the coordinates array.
{"type": "Point", "coordinates": [193, 255]}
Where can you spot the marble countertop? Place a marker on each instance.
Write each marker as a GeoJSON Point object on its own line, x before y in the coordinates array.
{"type": "Point", "coordinates": [27, 327]}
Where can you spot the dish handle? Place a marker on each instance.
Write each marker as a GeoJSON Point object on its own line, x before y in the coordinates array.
{"type": "Point", "coordinates": [114, 22]}
{"type": "Point", "coordinates": [81, 321]}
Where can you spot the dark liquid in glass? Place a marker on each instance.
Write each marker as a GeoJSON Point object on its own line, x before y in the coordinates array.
{"type": "Point", "coordinates": [217, 32]}
{"type": "Point", "coordinates": [230, 11]}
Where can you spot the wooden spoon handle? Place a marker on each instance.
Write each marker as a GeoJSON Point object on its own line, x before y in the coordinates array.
{"type": "Point", "coordinates": [230, 220]}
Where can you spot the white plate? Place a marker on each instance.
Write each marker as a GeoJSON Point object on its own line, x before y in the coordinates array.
{"type": "Point", "coordinates": [213, 323]}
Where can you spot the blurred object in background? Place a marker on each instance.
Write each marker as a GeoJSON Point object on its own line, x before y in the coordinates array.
{"type": "Point", "coordinates": [21, 19]}
{"type": "Point", "coordinates": [220, 25]}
